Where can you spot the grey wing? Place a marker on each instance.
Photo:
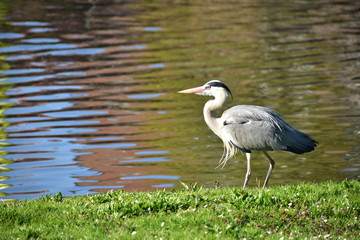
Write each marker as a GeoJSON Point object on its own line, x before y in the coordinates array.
{"type": "Point", "coordinates": [260, 128]}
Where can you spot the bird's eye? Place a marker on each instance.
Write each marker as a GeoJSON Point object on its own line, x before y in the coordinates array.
{"type": "Point", "coordinates": [208, 87]}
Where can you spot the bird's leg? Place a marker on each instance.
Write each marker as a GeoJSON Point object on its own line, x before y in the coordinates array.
{"type": "Point", "coordinates": [271, 167]}
{"type": "Point", "coordinates": [248, 169]}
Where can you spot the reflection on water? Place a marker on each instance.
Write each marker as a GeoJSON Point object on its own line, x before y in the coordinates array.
{"type": "Point", "coordinates": [89, 103]}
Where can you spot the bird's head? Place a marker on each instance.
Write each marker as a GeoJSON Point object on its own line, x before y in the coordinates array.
{"type": "Point", "coordinates": [213, 88]}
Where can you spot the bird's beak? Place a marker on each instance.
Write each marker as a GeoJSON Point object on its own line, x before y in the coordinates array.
{"type": "Point", "coordinates": [193, 90]}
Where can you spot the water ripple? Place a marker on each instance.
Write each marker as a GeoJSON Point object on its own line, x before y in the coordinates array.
{"type": "Point", "coordinates": [38, 89]}
{"type": "Point", "coordinates": [22, 71]}
{"type": "Point", "coordinates": [29, 23]}
{"type": "Point", "coordinates": [169, 177]}
{"type": "Point", "coordinates": [38, 108]}
{"type": "Point", "coordinates": [11, 35]}
{"type": "Point", "coordinates": [35, 48]}
{"type": "Point", "coordinates": [147, 160]}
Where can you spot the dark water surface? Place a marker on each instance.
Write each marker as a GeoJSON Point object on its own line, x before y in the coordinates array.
{"type": "Point", "coordinates": [89, 102]}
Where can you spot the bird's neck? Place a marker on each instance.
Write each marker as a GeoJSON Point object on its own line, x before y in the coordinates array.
{"type": "Point", "coordinates": [209, 114]}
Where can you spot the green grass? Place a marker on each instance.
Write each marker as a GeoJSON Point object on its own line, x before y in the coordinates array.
{"type": "Point", "coordinates": [324, 211]}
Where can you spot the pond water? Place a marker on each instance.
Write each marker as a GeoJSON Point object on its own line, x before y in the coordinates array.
{"type": "Point", "coordinates": [89, 91]}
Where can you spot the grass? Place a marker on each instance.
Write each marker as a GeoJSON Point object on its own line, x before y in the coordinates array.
{"type": "Point", "coordinates": [314, 211]}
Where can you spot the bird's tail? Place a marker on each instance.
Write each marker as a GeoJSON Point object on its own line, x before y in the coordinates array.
{"type": "Point", "coordinates": [300, 143]}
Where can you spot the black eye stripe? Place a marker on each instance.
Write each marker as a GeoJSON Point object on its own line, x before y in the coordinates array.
{"type": "Point", "coordinates": [219, 84]}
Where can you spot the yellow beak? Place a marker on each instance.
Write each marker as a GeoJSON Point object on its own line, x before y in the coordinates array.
{"type": "Point", "coordinates": [193, 90]}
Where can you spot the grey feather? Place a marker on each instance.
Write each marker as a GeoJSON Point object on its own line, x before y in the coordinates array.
{"type": "Point", "coordinates": [260, 128]}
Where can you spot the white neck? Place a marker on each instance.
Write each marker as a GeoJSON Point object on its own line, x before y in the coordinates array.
{"type": "Point", "coordinates": [209, 112]}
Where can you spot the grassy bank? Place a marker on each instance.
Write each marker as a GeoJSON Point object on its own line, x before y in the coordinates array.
{"type": "Point", "coordinates": [328, 210]}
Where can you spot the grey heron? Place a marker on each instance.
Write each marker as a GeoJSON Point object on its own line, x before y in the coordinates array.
{"type": "Point", "coordinates": [247, 127]}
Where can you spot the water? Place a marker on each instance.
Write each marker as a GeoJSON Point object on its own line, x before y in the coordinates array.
{"type": "Point", "coordinates": [89, 102]}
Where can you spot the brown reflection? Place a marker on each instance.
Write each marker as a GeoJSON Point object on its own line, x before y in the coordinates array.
{"type": "Point", "coordinates": [108, 161]}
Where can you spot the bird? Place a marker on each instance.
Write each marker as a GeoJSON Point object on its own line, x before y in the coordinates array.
{"type": "Point", "coordinates": [248, 128]}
